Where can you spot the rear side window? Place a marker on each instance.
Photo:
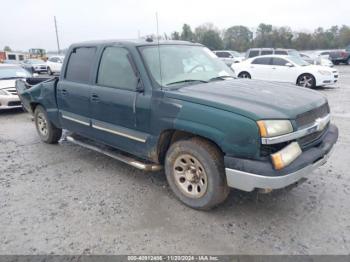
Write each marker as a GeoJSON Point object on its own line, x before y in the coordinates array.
{"type": "Point", "coordinates": [266, 52]}
{"type": "Point", "coordinates": [262, 61]}
{"type": "Point", "coordinates": [223, 54]}
{"type": "Point", "coordinates": [116, 69]}
{"type": "Point", "coordinates": [279, 61]}
{"type": "Point", "coordinates": [253, 53]}
{"type": "Point", "coordinates": [280, 52]}
{"type": "Point", "coordinates": [80, 64]}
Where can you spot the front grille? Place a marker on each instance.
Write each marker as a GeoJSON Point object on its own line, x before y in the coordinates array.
{"type": "Point", "coordinates": [11, 90]}
{"type": "Point", "coordinates": [306, 140]}
{"type": "Point", "coordinates": [14, 103]}
{"type": "Point", "coordinates": [309, 117]}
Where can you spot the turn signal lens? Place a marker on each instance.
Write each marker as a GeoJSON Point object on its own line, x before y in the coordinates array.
{"type": "Point", "coordinates": [286, 155]}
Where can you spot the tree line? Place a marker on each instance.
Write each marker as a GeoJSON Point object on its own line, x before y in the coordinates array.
{"type": "Point", "coordinates": [241, 38]}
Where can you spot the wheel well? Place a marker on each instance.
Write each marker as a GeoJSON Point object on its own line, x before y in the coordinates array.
{"type": "Point", "coordinates": [33, 106]}
{"type": "Point", "coordinates": [242, 72]}
{"type": "Point", "coordinates": [170, 136]}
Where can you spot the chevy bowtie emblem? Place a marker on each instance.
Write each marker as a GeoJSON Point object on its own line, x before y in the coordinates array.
{"type": "Point", "coordinates": [321, 123]}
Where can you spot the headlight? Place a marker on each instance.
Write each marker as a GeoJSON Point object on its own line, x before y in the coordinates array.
{"type": "Point", "coordinates": [270, 128]}
{"type": "Point", "coordinates": [2, 92]}
{"type": "Point", "coordinates": [324, 72]}
{"type": "Point", "coordinates": [286, 156]}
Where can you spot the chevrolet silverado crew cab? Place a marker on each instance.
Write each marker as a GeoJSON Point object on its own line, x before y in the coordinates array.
{"type": "Point", "coordinates": [176, 105]}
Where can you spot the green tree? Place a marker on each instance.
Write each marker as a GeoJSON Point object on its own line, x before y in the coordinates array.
{"type": "Point", "coordinates": [7, 49]}
{"type": "Point", "coordinates": [238, 38]}
{"type": "Point", "coordinates": [187, 34]}
{"type": "Point", "coordinates": [209, 36]}
{"type": "Point", "coordinates": [263, 36]}
{"type": "Point", "coordinates": [175, 35]}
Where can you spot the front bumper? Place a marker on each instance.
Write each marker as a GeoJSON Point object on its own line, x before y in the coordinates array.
{"type": "Point", "coordinates": [9, 101]}
{"type": "Point", "coordinates": [246, 175]}
{"type": "Point", "coordinates": [323, 80]}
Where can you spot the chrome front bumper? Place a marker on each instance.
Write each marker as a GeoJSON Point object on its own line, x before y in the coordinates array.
{"type": "Point", "coordinates": [248, 182]}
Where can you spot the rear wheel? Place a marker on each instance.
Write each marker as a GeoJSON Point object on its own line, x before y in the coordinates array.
{"type": "Point", "coordinates": [306, 80]}
{"type": "Point", "coordinates": [244, 75]}
{"type": "Point", "coordinates": [48, 133]}
{"type": "Point", "coordinates": [195, 172]}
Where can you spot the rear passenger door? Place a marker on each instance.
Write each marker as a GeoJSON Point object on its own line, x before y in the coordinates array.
{"type": "Point", "coordinates": [114, 100]}
{"type": "Point", "coordinates": [74, 88]}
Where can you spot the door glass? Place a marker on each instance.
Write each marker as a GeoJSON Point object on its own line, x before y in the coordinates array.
{"type": "Point", "coordinates": [262, 61]}
{"type": "Point", "coordinates": [80, 64]}
{"type": "Point", "coordinates": [115, 69]}
{"type": "Point", "coordinates": [279, 61]}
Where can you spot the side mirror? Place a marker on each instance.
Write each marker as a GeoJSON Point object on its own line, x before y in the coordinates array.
{"type": "Point", "coordinates": [139, 86]}
{"type": "Point", "coordinates": [289, 65]}
{"type": "Point", "coordinates": [230, 56]}
{"type": "Point", "coordinates": [35, 75]}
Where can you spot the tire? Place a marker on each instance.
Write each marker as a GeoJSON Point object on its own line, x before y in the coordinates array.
{"type": "Point", "coordinates": [306, 80]}
{"type": "Point", "coordinates": [49, 72]}
{"type": "Point", "coordinates": [244, 75]}
{"type": "Point", "coordinates": [336, 62]}
{"type": "Point", "coordinates": [195, 172]}
{"type": "Point", "coordinates": [348, 61]}
{"type": "Point", "coordinates": [48, 133]}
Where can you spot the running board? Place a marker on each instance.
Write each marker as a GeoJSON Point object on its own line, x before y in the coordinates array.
{"type": "Point", "coordinates": [113, 153]}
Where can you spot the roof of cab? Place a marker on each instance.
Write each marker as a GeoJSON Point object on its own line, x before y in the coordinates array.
{"type": "Point", "coordinates": [133, 42]}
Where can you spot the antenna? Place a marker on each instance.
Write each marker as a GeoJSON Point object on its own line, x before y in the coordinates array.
{"type": "Point", "coordinates": [160, 61]}
{"type": "Point", "coordinates": [58, 42]}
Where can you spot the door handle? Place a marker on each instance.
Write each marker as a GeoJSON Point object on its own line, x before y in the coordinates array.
{"type": "Point", "coordinates": [273, 67]}
{"type": "Point", "coordinates": [64, 92]}
{"type": "Point", "coordinates": [95, 98]}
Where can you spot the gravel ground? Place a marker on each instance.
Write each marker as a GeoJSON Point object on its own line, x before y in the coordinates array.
{"type": "Point", "coordinates": [64, 199]}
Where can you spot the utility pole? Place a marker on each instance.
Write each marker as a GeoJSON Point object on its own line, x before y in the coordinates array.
{"type": "Point", "coordinates": [58, 42]}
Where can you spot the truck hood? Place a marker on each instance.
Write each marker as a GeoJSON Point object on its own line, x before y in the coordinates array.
{"type": "Point", "coordinates": [251, 98]}
{"type": "Point", "coordinates": [7, 83]}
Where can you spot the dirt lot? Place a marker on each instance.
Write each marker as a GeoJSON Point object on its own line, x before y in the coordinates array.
{"type": "Point", "coordinates": [64, 199]}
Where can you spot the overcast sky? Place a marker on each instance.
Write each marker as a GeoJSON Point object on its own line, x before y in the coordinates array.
{"type": "Point", "coordinates": [27, 24]}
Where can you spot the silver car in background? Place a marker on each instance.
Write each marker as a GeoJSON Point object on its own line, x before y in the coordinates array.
{"type": "Point", "coordinates": [8, 94]}
{"type": "Point", "coordinates": [229, 57]}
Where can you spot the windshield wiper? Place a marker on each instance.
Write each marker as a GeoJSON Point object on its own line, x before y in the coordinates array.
{"type": "Point", "coordinates": [11, 77]}
{"type": "Point", "coordinates": [220, 78]}
{"type": "Point", "coordinates": [187, 81]}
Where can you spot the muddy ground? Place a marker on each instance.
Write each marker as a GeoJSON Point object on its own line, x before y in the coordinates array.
{"type": "Point", "coordinates": [64, 199]}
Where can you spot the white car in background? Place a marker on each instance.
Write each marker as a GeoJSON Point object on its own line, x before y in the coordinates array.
{"type": "Point", "coordinates": [316, 59]}
{"type": "Point", "coordinates": [9, 73]}
{"type": "Point", "coordinates": [54, 64]}
{"type": "Point", "coordinates": [229, 57]}
{"type": "Point", "coordinates": [289, 69]}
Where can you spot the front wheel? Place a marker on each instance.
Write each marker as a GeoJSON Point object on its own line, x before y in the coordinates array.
{"type": "Point", "coordinates": [348, 61]}
{"type": "Point", "coordinates": [306, 80]}
{"type": "Point", "coordinates": [195, 172]}
{"type": "Point", "coordinates": [49, 72]}
{"type": "Point", "coordinates": [48, 133]}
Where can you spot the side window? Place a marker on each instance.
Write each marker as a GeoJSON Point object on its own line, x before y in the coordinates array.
{"type": "Point", "coordinates": [266, 52]}
{"type": "Point", "coordinates": [280, 52]}
{"type": "Point", "coordinates": [116, 70]}
{"type": "Point", "coordinates": [223, 54]}
{"type": "Point", "coordinates": [253, 53]}
{"type": "Point", "coordinates": [11, 57]}
{"type": "Point", "coordinates": [279, 61]}
{"type": "Point", "coordinates": [262, 61]}
{"type": "Point", "coordinates": [80, 64]}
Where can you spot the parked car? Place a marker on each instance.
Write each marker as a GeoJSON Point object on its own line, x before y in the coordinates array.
{"type": "Point", "coordinates": [253, 52]}
{"type": "Point", "coordinates": [34, 66]}
{"type": "Point", "coordinates": [207, 129]}
{"type": "Point", "coordinates": [316, 60]}
{"type": "Point", "coordinates": [288, 69]}
{"type": "Point", "coordinates": [54, 64]}
{"type": "Point", "coordinates": [228, 56]}
{"type": "Point", "coordinates": [8, 75]}
{"type": "Point", "coordinates": [337, 56]}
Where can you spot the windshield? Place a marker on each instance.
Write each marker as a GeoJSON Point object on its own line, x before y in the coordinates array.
{"type": "Point", "coordinates": [183, 64]}
{"type": "Point", "coordinates": [235, 54]}
{"type": "Point", "coordinates": [294, 53]}
{"type": "Point", "coordinates": [36, 61]}
{"type": "Point", "coordinates": [13, 72]}
{"type": "Point", "coordinates": [298, 60]}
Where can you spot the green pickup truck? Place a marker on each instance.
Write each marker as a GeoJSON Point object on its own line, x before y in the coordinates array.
{"type": "Point", "coordinates": [175, 105]}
